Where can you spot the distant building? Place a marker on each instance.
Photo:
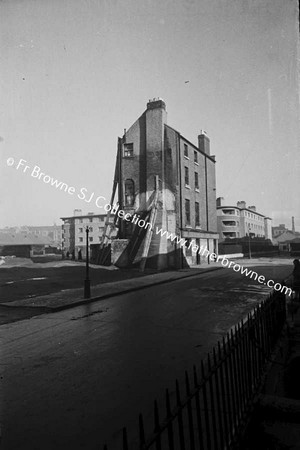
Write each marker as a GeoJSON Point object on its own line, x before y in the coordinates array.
{"type": "Point", "coordinates": [287, 240]}
{"type": "Point", "coordinates": [240, 221]}
{"type": "Point", "coordinates": [276, 231]}
{"type": "Point", "coordinates": [53, 232]}
{"type": "Point", "coordinates": [294, 247]}
{"type": "Point", "coordinates": [284, 232]}
{"type": "Point", "coordinates": [74, 234]}
{"type": "Point", "coordinates": [23, 245]}
{"type": "Point", "coordinates": [152, 150]}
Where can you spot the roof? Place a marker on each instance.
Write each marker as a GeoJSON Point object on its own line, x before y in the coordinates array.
{"type": "Point", "coordinates": [286, 236]}
{"type": "Point", "coordinates": [248, 209]}
{"type": "Point", "coordinates": [23, 239]}
{"type": "Point", "coordinates": [295, 241]}
{"type": "Point", "coordinates": [86, 216]}
{"type": "Point", "coordinates": [190, 143]}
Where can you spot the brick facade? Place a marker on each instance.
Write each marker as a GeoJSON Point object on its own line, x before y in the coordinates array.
{"type": "Point", "coordinates": [151, 148]}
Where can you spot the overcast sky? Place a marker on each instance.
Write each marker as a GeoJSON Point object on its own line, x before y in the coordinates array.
{"type": "Point", "coordinates": [75, 73]}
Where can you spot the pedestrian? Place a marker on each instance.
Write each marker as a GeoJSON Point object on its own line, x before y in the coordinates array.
{"type": "Point", "coordinates": [296, 278]}
{"type": "Point", "coordinates": [295, 275]}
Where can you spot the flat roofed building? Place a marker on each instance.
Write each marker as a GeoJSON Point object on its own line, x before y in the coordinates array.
{"type": "Point", "coordinates": [74, 234]}
{"type": "Point", "coordinates": [240, 221]}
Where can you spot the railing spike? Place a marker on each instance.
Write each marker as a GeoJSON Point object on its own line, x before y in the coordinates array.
{"type": "Point", "coordinates": [178, 393]}
{"type": "Point", "coordinates": [208, 362]}
{"type": "Point", "coordinates": [125, 440]}
{"type": "Point", "coordinates": [202, 370]}
{"type": "Point", "coordinates": [195, 376]}
{"type": "Point", "coordinates": [214, 356]}
{"type": "Point", "coordinates": [156, 416]}
{"type": "Point", "coordinates": [219, 350]}
{"type": "Point", "coordinates": [141, 430]}
{"type": "Point", "coordinates": [187, 383]}
{"type": "Point", "coordinates": [168, 403]}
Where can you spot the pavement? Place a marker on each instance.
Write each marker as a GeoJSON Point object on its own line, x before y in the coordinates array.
{"type": "Point", "coordinates": [69, 298]}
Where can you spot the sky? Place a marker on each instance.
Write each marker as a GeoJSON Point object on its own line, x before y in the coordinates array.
{"type": "Point", "coordinates": [75, 73]}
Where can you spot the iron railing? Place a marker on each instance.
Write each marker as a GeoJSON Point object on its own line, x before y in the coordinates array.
{"type": "Point", "coordinates": [218, 398]}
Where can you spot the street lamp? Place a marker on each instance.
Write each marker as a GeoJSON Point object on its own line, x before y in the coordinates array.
{"type": "Point", "coordinates": [249, 229]}
{"type": "Point", "coordinates": [87, 284]}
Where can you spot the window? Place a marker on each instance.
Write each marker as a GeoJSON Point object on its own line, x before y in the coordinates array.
{"type": "Point", "coordinates": [80, 239]}
{"type": "Point", "coordinates": [100, 228]}
{"type": "Point", "coordinates": [197, 214]}
{"type": "Point", "coordinates": [230, 212]}
{"type": "Point", "coordinates": [81, 221]}
{"type": "Point", "coordinates": [196, 180]}
{"type": "Point", "coordinates": [129, 192]}
{"type": "Point", "coordinates": [91, 229]}
{"type": "Point", "coordinates": [188, 250]}
{"type": "Point", "coordinates": [91, 219]}
{"type": "Point", "coordinates": [229, 234]}
{"type": "Point", "coordinates": [91, 239]}
{"type": "Point", "coordinates": [195, 156]}
{"type": "Point", "coordinates": [80, 230]}
{"type": "Point", "coordinates": [128, 150]}
{"type": "Point", "coordinates": [186, 176]}
{"type": "Point", "coordinates": [187, 212]}
{"type": "Point", "coordinates": [229, 223]}
{"type": "Point", "coordinates": [185, 151]}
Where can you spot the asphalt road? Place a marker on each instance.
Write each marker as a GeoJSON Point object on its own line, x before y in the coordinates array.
{"type": "Point", "coordinates": [26, 282]}
{"type": "Point", "coordinates": [72, 379]}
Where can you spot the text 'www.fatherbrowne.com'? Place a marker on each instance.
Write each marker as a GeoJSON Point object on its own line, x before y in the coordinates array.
{"type": "Point", "coordinates": [203, 251]}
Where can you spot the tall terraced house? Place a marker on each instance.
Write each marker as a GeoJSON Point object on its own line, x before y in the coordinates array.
{"type": "Point", "coordinates": [164, 180]}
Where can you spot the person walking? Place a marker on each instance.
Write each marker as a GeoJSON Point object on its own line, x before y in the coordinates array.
{"type": "Point", "coordinates": [295, 276]}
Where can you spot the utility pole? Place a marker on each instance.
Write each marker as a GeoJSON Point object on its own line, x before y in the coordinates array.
{"type": "Point", "coordinates": [87, 283]}
{"type": "Point", "coordinates": [249, 229]}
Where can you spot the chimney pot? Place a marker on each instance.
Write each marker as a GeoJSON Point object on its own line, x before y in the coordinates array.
{"type": "Point", "coordinates": [156, 103]}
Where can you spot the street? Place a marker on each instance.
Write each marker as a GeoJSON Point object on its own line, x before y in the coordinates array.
{"type": "Point", "coordinates": [73, 379]}
{"type": "Point", "coordinates": [42, 279]}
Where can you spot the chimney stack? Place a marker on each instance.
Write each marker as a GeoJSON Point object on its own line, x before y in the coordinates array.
{"type": "Point", "coordinates": [156, 103]}
{"type": "Point", "coordinates": [293, 224]}
{"type": "Point", "coordinates": [241, 204]}
{"type": "Point", "coordinates": [220, 201]}
{"type": "Point", "coordinates": [204, 142]}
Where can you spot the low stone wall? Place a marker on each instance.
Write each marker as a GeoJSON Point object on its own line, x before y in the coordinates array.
{"type": "Point", "coordinates": [119, 254]}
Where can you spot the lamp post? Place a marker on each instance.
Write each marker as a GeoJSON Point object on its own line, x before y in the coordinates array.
{"type": "Point", "coordinates": [87, 284]}
{"type": "Point", "coordinates": [249, 229]}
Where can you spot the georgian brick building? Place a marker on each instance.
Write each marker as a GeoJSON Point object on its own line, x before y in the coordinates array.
{"type": "Point", "coordinates": [151, 151]}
